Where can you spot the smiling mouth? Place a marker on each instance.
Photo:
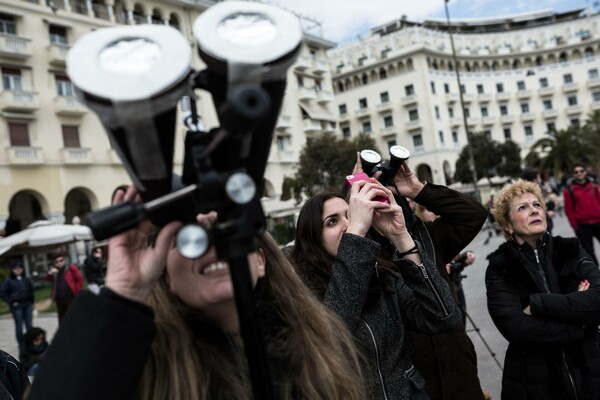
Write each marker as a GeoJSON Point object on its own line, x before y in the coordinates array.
{"type": "Point", "coordinates": [214, 267]}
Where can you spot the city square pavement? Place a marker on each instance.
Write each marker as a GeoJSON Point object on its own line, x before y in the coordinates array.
{"type": "Point", "coordinates": [474, 286]}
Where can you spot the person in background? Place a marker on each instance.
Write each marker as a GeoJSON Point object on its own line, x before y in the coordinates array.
{"type": "Point", "coordinates": [67, 283]}
{"type": "Point", "coordinates": [34, 350]}
{"type": "Point", "coordinates": [455, 269]}
{"type": "Point", "coordinates": [378, 298]}
{"type": "Point", "coordinates": [543, 294]}
{"type": "Point", "coordinates": [17, 292]}
{"type": "Point", "coordinates": [167, 327]}
{"type": "Point", "coordinates": [94, 268]}
{"type": "Point", "coordinates": [582, 206]}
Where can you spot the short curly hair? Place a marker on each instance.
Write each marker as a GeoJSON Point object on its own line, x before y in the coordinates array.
{"type": "Point", "coordinates": [501, 208]}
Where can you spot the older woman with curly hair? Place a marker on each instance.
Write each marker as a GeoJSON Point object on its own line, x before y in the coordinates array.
{"type": "Point", "coordinates": [543, 295]}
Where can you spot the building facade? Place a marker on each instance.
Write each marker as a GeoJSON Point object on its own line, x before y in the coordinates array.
{"type": "Point", "coordinates": [57, 161]}
{"type": "Point", "coordinates": [521, 76]}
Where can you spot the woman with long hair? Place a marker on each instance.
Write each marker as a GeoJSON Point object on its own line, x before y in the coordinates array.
{"type": "Point", "coordinates": [377, 298]}
{"type": "Point", "coordinates": [543, 294]}
{"type": "Point", "coordinates": [166, 327]}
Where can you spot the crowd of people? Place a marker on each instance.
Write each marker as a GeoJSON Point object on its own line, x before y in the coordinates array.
{"type": "Point", "coordinates": [367, 304]}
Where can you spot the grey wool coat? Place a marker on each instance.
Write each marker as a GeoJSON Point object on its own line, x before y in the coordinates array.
{"type": "Point", "coordinates": [378, 305]}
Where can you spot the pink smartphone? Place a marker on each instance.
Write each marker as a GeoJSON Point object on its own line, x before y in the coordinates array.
{"type": "Point", "coordinates": [361, 176]}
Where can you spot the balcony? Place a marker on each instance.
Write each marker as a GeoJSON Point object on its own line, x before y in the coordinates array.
{"type": "Point", "coordinates": [363, 112]}
{"type": "Point", "coordinates": [527, 116]}
{"type": "Point", "coordinates": [550, 113]}
{"type": "Point", "coordinates": [344, 117]}
{"type": "Point", "coordinates": [310, 125]}
{"type": "Point", "coordinates": [384, 106]}
{"type": "Point", "coordinates": [569, 87]}
{"type": "Point", "coordinates": [595, 105]}
{"type": "Point", "coordinates": [19, 101]}
{"type": "Point", "coordinates": [507, 119]}
{"type": "Point", "coordinates": [305, 93]}
{"type": "Point", "coordinates": [57, 53]}
{"type": "Point", "coordinates": [16, 47]}
{"type": "Point", "coordinates": [389, 131]}
{"type": "Point", "coordinates": [487, 121]}
{"type": "Point", "coordinates": [69, 106]}
{"type": "Point", "coordinates": [284, 122]}
{"type": "Point", "coordinates": [524, 94]}
{"type": "Point", "coordinates": [468, 98]}
{"type": "Point", "coordinates": [320, 67]}
{"type": "Point", "coordinates": [413, 125]}
{"type": "Point", "coordinates": [472, 121]}
{"type": "Point", "coordinates": [284, 156]}
{"type": "Point", "coordinates": [574, 109]}
{"type": "Point", "coordinates": [76, 156]}
{"type": "Point", "coordinates": [546, 91]}
{"type": "Point", "coordinates": [503, 96]}
{"type": "Point", "coordinates": [455, 122]}
{"type": "Point", "coordinates": [18, 155]}
{"type": "Point", "coordinates": [593, 83]}
{"type": "Point", "coordinates": [409, 100]}
{"type": "Point", "coordinates": [484, 97]}
{"type": "Point", "coordinates": [328, 127]}
{"type": "Point", "coordinates": [324, 96]}
{"type": "Point", "coordinates": [451, 97]}
{"type": "Point", "coordinates": [302, 64]}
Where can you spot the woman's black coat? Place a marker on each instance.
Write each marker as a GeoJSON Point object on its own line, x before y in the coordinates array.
{"type": "Point", "coordinates": [557, 347]}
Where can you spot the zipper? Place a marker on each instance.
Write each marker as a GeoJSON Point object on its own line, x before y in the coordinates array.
{"type": "Point", "coordinates": [377, 359]}
{"type": "Point", "coordinates": [433, 289]}
{"type": "Point", "coordinates": [572, 383]}
{"type": "Point", "coordinates": [541, 271]}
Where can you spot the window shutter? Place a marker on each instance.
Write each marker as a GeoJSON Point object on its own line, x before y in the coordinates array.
{"type": "Point", "coordinates": [19, 134]}
{"type": "Point", "coordinates": [71, 136]}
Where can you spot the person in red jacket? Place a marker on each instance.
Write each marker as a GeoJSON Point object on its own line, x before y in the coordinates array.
{"type": "Point", "coordinates": [67, 283]}
{"type": "Point", "coordinates": [582, 206]}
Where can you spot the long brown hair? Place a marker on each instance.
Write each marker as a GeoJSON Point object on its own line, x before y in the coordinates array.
{"type": "Point", "coordinates": [318, 353]}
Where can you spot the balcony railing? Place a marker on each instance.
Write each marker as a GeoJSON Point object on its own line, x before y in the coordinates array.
{"type": "Point", "coordinates": [484, 97]}
{"type": "Point", "coordinates": [524, 94]}
{"type": "Point", "coordinates": [569, 87]}
{"type": "Point", "coordinates": [19, 101]}
{"type": "Point", "coordinates": [284, 122]}
{"type": "Point", "coordinates": [76, 155]}
{"type": "Point", "coordinates": [451, 97]}
{"type": "Point", "coordinates": [320, 67]}
{"type": "Point", "coordinates": [528, 116]}
{"type": "Point", "coordinates": [412, 125]}
{"type": "Point", "coordinates": [546, 91]}
{"type": "Point", "coordinates": [305, 93]}
{"type": "Point", "coordinates": [57, 54]}
{"type": "Point", "coordinates": [384, 106]}
{"type": "Point", "coordinates": [593, 83]}
{"type": "Point", "coordinates": [302, 63]}
{"type": "Point", "coordinates": [361, 112]}
{"type": "Point", "coordinates": [506, 119]}
{"type": "Point", "coordinates": [69, 106]}
{"type": "Point", "coordinates": [100, 11]}
{"type": "Point", "coordinates": [409, 100]}
{"type": "Point", "coordinates": [14, 46]}
{"type": "Point", "coordinates": [21, 155]}
{"type": "Point", "coordinates": [311, 125]}
{"type": "Point", "coordinates": [574, 109]}
{"type": "Point", "coordinates": [324, 96]}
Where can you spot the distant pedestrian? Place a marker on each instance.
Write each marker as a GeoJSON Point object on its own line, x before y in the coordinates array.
{"type": "Point", "coordinates": [34, 350]}
{"type": "Point", "coordinates": [94, 268]}
{"type": "Point", "coordinates": [582, 206]}
{"type": "Point", "coordinates": [17, 292]}
{"type": "Point", "coordinates": [67, 283]}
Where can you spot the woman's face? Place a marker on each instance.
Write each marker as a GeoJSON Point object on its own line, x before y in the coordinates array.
{"type": "Point", "coordinates": [335, 223]}
{"type": "Point", "coordinates": [204, 283]}
{"type": "Point", "coordinates": [527, 218]}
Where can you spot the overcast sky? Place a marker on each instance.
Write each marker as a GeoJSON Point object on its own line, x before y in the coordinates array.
{"type": "Point", "coordinates": [343, 20]}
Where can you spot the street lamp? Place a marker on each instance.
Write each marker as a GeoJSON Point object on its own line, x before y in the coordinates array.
{"type": "Point", "coordinates": [462, 105]}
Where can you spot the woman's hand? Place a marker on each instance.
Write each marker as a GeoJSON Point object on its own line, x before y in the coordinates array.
{"type": "Point", "coordinates": [407, 182]}
{"type": "Point", "coordinates": [133, 266]}
{"type": "Point", "coordinates": [583, 286]}
{"type": "Point", "coordinates": [390, 223]}
{"type": "Point", "coordinates": [361, 205]}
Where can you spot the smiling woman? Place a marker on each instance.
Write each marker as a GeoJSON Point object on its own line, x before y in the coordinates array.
{"type": "Point", "coordinates": [543, 295]}
{"type": "Point", "coordinates": [166, 327]}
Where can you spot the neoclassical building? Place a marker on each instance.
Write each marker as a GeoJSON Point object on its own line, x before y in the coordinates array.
{"type": "Point", "coordinates": [522, 76]}
{"type": "Point", "coordinates": [57, 162]}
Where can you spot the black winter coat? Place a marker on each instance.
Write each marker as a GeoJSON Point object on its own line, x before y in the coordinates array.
{"type": "Point", "coordinates": [379, 305]}
{"type": "Point", "coordinates": [448, 361]}
{"type": "Point", "coordinates": [553, 353]}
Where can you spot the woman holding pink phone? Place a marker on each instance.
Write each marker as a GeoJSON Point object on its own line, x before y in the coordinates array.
{"type": "Point", "coordinates": [377, 299]}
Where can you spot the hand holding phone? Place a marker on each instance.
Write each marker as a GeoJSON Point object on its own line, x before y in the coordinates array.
{"type": "Point", "coordinates": [361, 176]}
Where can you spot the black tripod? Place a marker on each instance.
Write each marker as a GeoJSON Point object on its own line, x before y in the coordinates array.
{"type": "Point", "coordinates": [476, 329]}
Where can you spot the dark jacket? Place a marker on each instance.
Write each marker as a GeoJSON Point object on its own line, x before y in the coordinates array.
{"type": "Point", "coordinates": [107, 338]}
{"type": "Point", "coordinates": [94, 269]}
{"type": "Point", "coordinates": [556, 348]}
{"type": "Point", "coordinates": [448, 361]}
{"type": "Point", "coordinates": [378, 305]}
{"type": "Point", "coordinates": [15, 290]}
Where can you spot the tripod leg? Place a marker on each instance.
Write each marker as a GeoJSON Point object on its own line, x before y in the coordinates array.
{"type": "Point", "coordinates": [476, 329]}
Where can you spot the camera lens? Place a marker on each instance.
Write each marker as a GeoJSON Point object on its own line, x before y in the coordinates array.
{"type": "Point", "coordinates": [400, 152]}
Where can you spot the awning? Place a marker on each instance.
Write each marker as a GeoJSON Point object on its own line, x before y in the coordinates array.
{"type": "Point", "coordinates": [318, 112]}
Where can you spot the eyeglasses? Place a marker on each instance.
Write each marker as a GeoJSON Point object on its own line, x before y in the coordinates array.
{"type": "Point", "coordinates": [579, 171]}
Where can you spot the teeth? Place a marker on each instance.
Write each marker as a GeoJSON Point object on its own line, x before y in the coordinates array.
{"type": "Point", "coordinates": [214, 267]}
